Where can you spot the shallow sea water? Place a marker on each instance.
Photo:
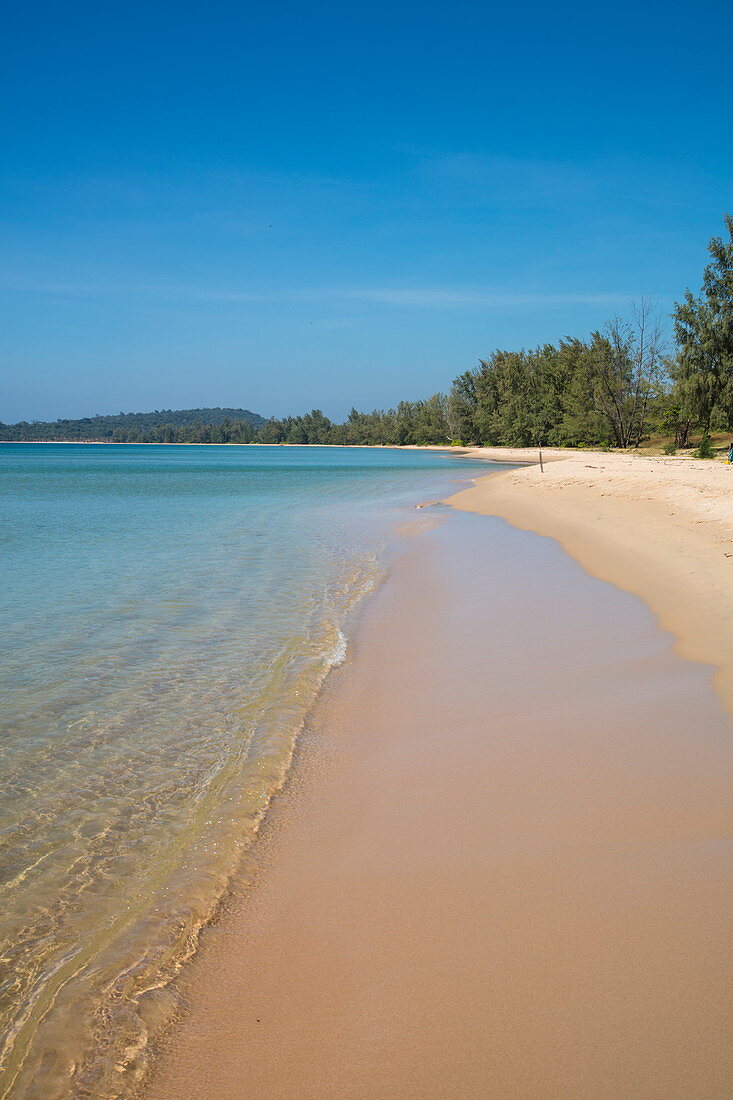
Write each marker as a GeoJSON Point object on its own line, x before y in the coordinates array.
{"type": "Point", "coordinates": [168, 616]}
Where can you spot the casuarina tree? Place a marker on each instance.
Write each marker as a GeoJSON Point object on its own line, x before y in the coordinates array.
{"type": "Point", "coordinates": [704, 331]}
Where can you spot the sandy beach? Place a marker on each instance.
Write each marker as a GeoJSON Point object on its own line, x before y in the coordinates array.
{"type": "Point", "coordinates": [661, 528]}
{"type": "Point", "coordinates": [502, 866]}
{"type": "Point", "coordinates": [349, 751]}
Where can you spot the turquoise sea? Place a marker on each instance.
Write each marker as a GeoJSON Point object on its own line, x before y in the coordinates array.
{"type": "Point", "coordinates": [168, 616]}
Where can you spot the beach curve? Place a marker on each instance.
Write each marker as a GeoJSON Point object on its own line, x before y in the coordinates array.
{"type": "Point", "coordinates": [660, 528]}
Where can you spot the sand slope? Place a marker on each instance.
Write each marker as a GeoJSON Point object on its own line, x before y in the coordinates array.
{"type": "Point", "coordinates": [660, 528]}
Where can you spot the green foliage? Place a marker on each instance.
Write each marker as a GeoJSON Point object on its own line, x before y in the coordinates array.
{"type": "Point", "coordinates": [703, 372]}
{"type": "Point", "coordinates": [604, 391]}
{"type": "Point", "coordinates": [705, 448]}
{"type": "Point", "coordinates": [676, 418]}
{"type": "Point", "coordinates": [670, 448]}
{"type": "Point", "coordinates": [164, 426]}
{"type": "Point", "coordinates": [412, 422]}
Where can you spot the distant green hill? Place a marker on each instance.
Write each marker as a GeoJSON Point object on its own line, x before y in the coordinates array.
{"type": "Point", "coordinates": [161, 426]}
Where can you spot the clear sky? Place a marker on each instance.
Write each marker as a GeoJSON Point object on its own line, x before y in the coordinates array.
{"type": "Point", "coordinates": [288, 205]}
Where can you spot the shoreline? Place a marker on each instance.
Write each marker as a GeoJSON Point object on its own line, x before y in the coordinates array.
{"type": "Point", "coordinates": [453, 867]}
{"type": "Point", "coordinates": [447, 448]}
{"type": "Point", "coordinates": [639, 524]}
{"type": "Point", "coordinates": [266, 724]}
{"type": "Point", "coordinates": [659, 528]}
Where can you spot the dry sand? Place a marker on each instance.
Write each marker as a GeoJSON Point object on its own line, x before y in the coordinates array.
{"type": "Point", "coordinates": [504, 866]}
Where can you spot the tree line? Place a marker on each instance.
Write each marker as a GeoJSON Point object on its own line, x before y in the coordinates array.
{"type": "Point", "coordinates": [161, 426]}
{"type": "Point", "coordinates": [419, 422]}
{"type": "Point", "coordinates": [617, 387]}
{"type": "Point", "coordinates": [614, 388]}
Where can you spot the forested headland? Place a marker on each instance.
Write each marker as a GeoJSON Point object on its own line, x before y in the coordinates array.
{"type": "Point", "coordinates": [161, 426]}
{"type": "Point", "coordinates": [617, 387]}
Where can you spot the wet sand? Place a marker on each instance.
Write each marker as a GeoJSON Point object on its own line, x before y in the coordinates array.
{"type": "Point", "coordinates": [661, 528]}
{"type": "Point", "coordinates": [503, 867]}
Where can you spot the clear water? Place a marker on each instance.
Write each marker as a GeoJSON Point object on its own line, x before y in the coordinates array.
{"type": "Point", "coordinates": [168, 615]}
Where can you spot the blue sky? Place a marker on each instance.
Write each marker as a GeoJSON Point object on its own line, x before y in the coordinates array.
{"type": "Point", "coordinates": [292, 205]}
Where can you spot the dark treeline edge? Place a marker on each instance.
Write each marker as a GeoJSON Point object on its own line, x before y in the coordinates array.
{"type": "Point", "coordinates": [614, 388]}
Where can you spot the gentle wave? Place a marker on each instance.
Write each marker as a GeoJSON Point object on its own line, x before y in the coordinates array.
{"type": "Point", "coordinates": [338, 654]}
{"type": "Point", "coordinates": [171, 617]}
{"type": "Point", "coordinates": [123, 973]}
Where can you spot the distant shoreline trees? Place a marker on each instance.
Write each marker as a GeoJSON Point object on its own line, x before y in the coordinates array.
{"type": "Point", "coordinates": [161, 426]}
{"type": "Point", "coordinates": [604, 390]}
{"type": "Point", "coordinates": [613, 389]}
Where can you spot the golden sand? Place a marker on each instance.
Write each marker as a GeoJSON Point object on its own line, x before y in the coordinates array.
{"type": "Point", "coordinates": [503, 868]}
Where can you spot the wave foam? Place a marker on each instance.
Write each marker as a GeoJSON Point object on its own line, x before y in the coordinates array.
{"type": "Point", "coordinates": [338, 653]}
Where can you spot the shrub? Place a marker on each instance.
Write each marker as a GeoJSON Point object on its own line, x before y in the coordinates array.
{"type": "Point", "coordinates": [705, 448]}
{"type": "Point", "coordinates": [670, 448]}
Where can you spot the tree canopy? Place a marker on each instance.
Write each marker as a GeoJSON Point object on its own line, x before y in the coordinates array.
{"type": "Point", "coordinates": [703, 325]}
{"type": "Point", "coordinates": [161, 426]}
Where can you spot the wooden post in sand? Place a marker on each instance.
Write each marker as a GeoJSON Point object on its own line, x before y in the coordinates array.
{"type": "Point", "coordinates": [542, 468]}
